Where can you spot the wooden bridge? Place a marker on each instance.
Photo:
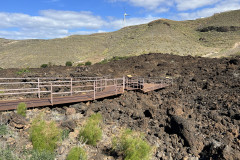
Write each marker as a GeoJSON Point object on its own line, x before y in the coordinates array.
{"type": "Point", "coordinates": [38, 92]}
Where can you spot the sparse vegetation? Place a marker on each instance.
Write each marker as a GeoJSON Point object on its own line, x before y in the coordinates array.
{"type": "Point", "coordinates": [88, 63]}
{"type": "Point", "coordinates": [77, 153]}
{"type": "Point", "coordinates": [44, 65]}
{"type": "Point", "coordinates": [92, 132]}
{"type": "Point", "coordinates": [68, 63]}
{"type": "Point", "coordinates": [50, 64]}
{"type": "Point", "coordinates": [3, 129]}
{"type": "Point", "coordinates": [21, 109]}
{"type": "Point", "coordinates": [103, 61]}
{"type": "Point", "coordinates": [44, 135]}
{"type": "Point", "coordinates": [1, 68]}
{"type": "Point", "coordinates": [24, 70]}
{"type": "Point", "coordinates": [132, 145]}
{"type": "Point", "coordinates": [115, 58]}
{"type": "Point", "coordinates": [7, 154]}
{"type": "Point", "coordinates": [42, 155]}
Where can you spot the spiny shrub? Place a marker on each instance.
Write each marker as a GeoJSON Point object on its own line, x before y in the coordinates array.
{"type": "Point", "coordinates": [3, 129]}
{"type": "Point", "coordinates": [132, 145]}
{"type": "Point", "coordinates": [77, 153]}
{"type": "Point", "coordinates": [68, 63]}
{"type": "Point", "coordinates": [42, 155]}
{"type": "Point", "coordinates": [91, 131]}
{"type": "Point", "coordinates": [44, 135]}
{"type": "Point", "coordinates": [88, 63]}
{"type": "Point", "coordinates": [21, 109]}
{"type": "Point", "coordinates": [44, 65]}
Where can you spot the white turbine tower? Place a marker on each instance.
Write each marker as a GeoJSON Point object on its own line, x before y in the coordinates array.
{"type": "Point", "coordinates": [124, 18]}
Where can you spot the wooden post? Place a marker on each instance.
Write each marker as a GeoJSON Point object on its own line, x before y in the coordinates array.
{"type": "Point", "coordinates": [115, 84]}
{"type": "Point", "coordinates": [123, 83]}
{"type": "Point", "coordinates": [38, 89]}
{"type": "Point", "coordinates": [105, 83]}
{"type": "Point", "coordinates": [142, 83]}
{"type": "Point", "coordinates": [71, 87]}
{"type": "Point", "coordinates": [94, 90]}
{"type": "Point", "coordinates": [51, 94]}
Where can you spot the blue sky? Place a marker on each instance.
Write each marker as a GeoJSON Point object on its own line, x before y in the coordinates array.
{"type": "Point", "coordinates": [47, 19]}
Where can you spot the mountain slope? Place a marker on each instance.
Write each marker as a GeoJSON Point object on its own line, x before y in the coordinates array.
{"type": "Point", "coordinates": [214, 36]}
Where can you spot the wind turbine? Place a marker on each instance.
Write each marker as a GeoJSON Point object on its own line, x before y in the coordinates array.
{"type": "Point", "coordinates": [124, 17]}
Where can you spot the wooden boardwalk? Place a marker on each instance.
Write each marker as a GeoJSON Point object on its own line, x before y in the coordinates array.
{"type": "Point", "coordinates": [74, 90]}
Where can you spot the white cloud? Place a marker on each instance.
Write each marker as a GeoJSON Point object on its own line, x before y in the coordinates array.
{"type": "Point", "coordinates": [193, 4]}
{"type": "Point", "coordinates": [162, 10]}
{"type": "Point", "coordinates": [160, 6]}
{"type": "Point", "coordinates": [221, 7]}
{"type": "Point", "coordinates": [56, 24]}
{"type": "Point", "coordinates": [52, 19]}
{"type": "Point", "coordinates": [148, 4]}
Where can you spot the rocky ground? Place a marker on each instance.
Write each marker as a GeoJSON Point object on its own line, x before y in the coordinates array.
{"type": "Point", "coordinates": [196, 118]}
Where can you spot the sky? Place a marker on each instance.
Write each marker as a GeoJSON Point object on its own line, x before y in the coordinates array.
{"type": "Point", "coordinates": [47, 19]}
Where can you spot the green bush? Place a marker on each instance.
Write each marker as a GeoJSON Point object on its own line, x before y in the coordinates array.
{"type": "Point", "coordinates": [91, 131]}
{"type": "Point", "coordinates": [24, 70]}
{"type": "Point", "coordinates": [45, 155]}
{"type": "Point", "coordinates": [68, 63]}
{"type": "Point", "coordinates": [44, 135]}
{"type": "Point", "coordinates": [88, 63]}
{"type": "Point", "coordinates": [80, 64]}
{"type": "Point", "coordinates": [3, 129]}
{"type": "Point", "coordinates": [132, 145]}
{"type": "Point", "coordinates": [44, 65]}
{"type": "Point", "coordinates": [1, 68]}
{"type": "Point", "coordinates": [21, 109]}
{"type": "Point", "coordinates": [77, 153]}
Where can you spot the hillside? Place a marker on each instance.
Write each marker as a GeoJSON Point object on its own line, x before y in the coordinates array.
{"type": "Point", "coordinates": [214, 36]}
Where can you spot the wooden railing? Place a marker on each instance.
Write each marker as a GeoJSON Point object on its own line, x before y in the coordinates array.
{"type": "Point", "coordinates": [89, 87]}
{"type": "Point", "coordinates": [52, 87]}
